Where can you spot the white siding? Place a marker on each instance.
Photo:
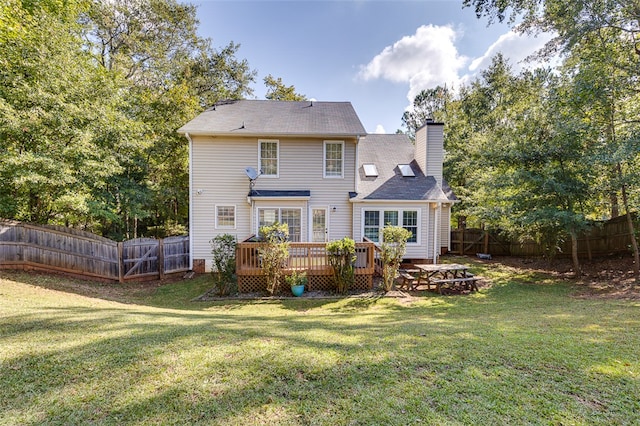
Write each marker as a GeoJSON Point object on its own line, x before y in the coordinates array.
{"type": "Point", "coordinates": [430, 151]}
{"type": "Point", "coordinates": [445, 227]}
{"type": "Point", "coordinates": [435, 151]}
{"type": "Point", "coordinates": [422, 250]}
{"type": "Point", "coordinates": [421, 149]}
{"type": "Point", "coordinates": [219, 178]}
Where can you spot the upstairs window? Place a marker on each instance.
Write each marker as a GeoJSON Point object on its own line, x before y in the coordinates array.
{"type": "Point", "coordinates": [268, 153]}
{"type": "Point", "coordinates": [333, 159]}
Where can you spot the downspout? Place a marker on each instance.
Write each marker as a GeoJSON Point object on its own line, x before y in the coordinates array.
{"type": "Point", "coordinates": [355, 186]}
{"type": "Point", "coordinates": [355, 166]}
{"type": "Point", "coordinates": [190, 201]}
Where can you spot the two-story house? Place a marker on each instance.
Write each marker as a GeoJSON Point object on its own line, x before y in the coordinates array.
{"type": "Point", "coordinates": [313, 166]}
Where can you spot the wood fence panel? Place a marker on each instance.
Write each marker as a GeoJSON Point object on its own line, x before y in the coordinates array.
{"type": "Point", "coordinates": [54, 248]}
{"type": "Point", "coordinates": [77, 253]}
{"type": "Point", "coordinates": [176, 254]}
{"type": "Point", "coordinates": [603, 239]}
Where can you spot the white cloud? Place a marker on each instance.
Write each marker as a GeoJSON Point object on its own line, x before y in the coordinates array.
{"type": "Point", "coordinates": [430, 58]}
{"type": "Point", "coordinates": [425, 59]}
{"type": "Point", "coordinates": [514, 47]}
{"type": "Point", "coordinates": [379, 129]}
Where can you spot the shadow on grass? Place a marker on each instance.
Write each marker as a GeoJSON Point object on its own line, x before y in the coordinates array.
{"type": "Point", "coordinates": [513, 351]}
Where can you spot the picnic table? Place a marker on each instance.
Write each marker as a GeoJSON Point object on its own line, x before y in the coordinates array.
{"type": "Point", "coordinates": [446, 277]}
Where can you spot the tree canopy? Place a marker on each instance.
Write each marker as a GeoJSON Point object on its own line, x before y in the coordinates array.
{"type": "Point", "coordinates": [92, 93]}
{"type": "Point", "coordinates": [542, 153]}
{"type": "Point", "coordinates": [278, 91]}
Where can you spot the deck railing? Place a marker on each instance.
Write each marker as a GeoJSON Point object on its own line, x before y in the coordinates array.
{"type": "Point", "coordinates": [311, 258]}
{"type": "Point", "coordinates": [377, 260]}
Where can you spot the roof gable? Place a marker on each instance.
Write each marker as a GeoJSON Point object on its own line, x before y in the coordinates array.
{"type": "Point", "coordinates": [277, 118]}
{"type": "Point", "coordinates": [387, 152]}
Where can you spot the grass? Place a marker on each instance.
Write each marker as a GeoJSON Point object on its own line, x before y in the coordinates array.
{"type": "Point", "coordinates": [522, 352]}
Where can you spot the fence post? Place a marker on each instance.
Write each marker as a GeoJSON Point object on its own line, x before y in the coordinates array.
{"type": "Point", "coordinates": [161, 258]}
{"type": "Point", "coordinates": [120, 262]}
{"type": "Point", "coordinates": [23, 247]}
{"type": "Point", "coordinates": [486, 241]}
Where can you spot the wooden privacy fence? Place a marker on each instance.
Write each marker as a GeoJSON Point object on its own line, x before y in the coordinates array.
{"type": "Point", "coordinates": [604, 239]}
{"type": "Point", "coordinates": [59, 249]}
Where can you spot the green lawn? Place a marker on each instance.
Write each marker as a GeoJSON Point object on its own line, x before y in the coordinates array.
{"type": "Point", "coordinates": [521, 352]}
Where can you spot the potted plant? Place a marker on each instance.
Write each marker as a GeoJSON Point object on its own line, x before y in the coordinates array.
{"type": "Point", "coordinates": [297, 281]}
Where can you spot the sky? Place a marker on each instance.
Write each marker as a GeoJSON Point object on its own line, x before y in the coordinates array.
{"type": "Point", "coordinates": [376, 54]}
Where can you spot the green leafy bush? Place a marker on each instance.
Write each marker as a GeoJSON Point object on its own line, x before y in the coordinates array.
{"type": "Point", "coordinates": [223, 248]}
{"type": "Point", "coordinates": [341, 258]}
{"type": "Point", "coordinates": [394, 247]}
{"type": "Point", "coordinates": [274, 253]}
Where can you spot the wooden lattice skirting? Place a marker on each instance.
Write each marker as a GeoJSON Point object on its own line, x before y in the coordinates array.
{"type": "Point", "coordinates": [258, 283]}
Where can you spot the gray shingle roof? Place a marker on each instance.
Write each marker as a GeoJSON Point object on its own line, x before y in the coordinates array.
{"type": "Point", "coordinates": [387, 152]}
{"type": "Point", "coordinates": [264, 118]}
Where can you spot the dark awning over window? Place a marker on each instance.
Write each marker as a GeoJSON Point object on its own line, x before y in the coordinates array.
{"type": "Point", "coordinates": [279, 194]}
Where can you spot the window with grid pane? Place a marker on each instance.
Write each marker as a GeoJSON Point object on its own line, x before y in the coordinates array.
{"type": "Point", "coordinates": [292, 217]}
{"type": "Point", "coordinates": [268, 160]}
{"type": "Point", "coordinates": [333, 164]}
{"type": "Point", "coordinates": [225, 216]}
{"type": "Point", "coordinates": [410, 223]}
{"type": "Point", "coordinates": [372, 225]}
{"type": "Point", "coordinates": [390, 218]}
{"type": "Point", "coordinates": [376, 220]}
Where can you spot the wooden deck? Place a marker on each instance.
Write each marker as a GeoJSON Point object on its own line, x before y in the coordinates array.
{"type": "Point", "coordinates": [308, 257]}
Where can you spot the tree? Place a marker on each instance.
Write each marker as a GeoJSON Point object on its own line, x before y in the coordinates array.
{"type": "Point", "coordinates": [53, 106]}
{"type": "Point", "coordinates": [170, 74]}
{"type": "Point", "coordinates": [278, 91]}
{"type": "Point", "coordinates": [91, 95]}
{"type": "Point", "coordinates": [429, 104]}
{"type": "Point", "coordinates": [600, 42]}
{"type": "Point", "coordinates": [606, 98]}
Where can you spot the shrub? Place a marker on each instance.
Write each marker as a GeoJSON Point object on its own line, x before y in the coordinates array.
{"type": "Point", "coordinates": [223, 248]}
{"type": "Point", "coordinates": [341, 258]}
{"type": "Point", "coordinates": [274, 253]}
{"type": "Point", "coordinates": [394, 247]}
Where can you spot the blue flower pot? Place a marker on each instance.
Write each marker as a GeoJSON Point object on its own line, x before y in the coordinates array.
{"type": "Point", "coordinates": [297, 290]}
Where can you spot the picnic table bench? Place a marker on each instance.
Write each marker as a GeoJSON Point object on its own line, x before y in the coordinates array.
{"type": "Point", "coordinates": [409, 279]}
{"type": "Point", "coordinates": [448, 278]}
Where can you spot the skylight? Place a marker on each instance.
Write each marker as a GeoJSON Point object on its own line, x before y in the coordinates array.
{"type": "Point", "coordinates": [406, 170]}
{"type": "Point", "coordinates": [370, 170]}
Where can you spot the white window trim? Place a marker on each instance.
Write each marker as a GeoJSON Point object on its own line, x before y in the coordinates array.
{"type": "Point", "coordinates": [235, 216]}
{"type": "Point", "coordinates": [324, 159]}
{"type": "Point", "coordinates": [277, 142]}
{"type": "Point", "coordinates": [400, 217]}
